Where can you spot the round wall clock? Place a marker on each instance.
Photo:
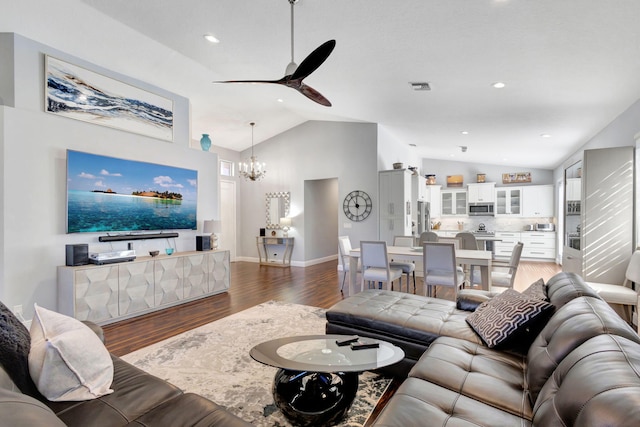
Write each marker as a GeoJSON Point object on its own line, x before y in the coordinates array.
{"type": "Point", "coordinates": [357, 205]}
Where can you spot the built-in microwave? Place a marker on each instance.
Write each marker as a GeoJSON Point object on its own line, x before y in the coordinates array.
{"type": "Point", "coordinates": [481, 209]}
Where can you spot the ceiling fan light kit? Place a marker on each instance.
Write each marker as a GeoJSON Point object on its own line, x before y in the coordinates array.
{"type": "Point", "coordinates": [294, 74]}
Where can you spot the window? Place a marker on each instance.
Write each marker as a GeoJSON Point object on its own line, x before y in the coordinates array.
{"type": "Point", "coordinates": [226, 168]}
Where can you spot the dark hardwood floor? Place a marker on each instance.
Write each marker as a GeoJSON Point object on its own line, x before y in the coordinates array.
{"type": "Point", "coordinates": [252, 284]}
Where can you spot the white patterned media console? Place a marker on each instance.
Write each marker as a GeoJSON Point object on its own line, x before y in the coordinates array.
{"type": "Point", "coordinates": [112, 292]}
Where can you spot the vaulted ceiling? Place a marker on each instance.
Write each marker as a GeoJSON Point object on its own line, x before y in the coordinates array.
{"type": "Point", "coordinates": [569, 67]}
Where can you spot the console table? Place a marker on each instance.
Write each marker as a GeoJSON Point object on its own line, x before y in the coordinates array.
{"type": "Point", "coordinates": [266, 247]}
{"type": "Point", "coordinates": [111, 292]}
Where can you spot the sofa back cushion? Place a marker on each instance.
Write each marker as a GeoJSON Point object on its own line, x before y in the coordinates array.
{"type": "Point", "coordinates": [563, 287]}
{"type": "Point", "coordinates": [573, 324]}
{"type": "Point", "coordinates": [597, 384]}
{"type": "Point", "coordinates": [15, 343]}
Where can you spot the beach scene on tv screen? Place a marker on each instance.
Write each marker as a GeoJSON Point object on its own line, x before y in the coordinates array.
{"type": "Point", "coordinates": [108, 194]}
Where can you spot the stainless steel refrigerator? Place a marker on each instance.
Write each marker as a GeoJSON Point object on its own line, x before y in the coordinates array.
{"type": "Point", "coordinates": [424, 218]}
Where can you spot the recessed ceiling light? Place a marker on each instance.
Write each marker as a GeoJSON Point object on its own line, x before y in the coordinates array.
{"type": "Point", "coordinates": [420, 85]}
{"type": "Point", "coordinates": [280, 100]}
{"type": "Point", "coordinates": [545, 135]}
{"type": "Point", "coordinates": [498, 85]}
{"type": "Point", "coordinates": [211, 38]}
{"type": "Point", "coordinates": [465, 132]}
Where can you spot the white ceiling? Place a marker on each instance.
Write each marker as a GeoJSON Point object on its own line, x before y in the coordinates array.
{"type": "Point", "coordinates": [570, 68]}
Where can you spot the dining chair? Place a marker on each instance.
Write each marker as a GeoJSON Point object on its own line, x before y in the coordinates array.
{"type": "Point", "coordinates": [344, 247]}
{"type": "Point", "coordinates": [454, 240]}
{"type": "Point", "coordinates": [427, 236]}
{"type": "Point", "coordinates": [407, 267]}
{"type": "Point", "coordinates": [623, 294]}
{"type": "Point", "coordinates": [468, 241]}
{"type": "Point", "coordinates": [505, 274]}
{"type": "Point", "coordinates": [440, 268]}
{"type": "Point", "coordinates": [375, 264]}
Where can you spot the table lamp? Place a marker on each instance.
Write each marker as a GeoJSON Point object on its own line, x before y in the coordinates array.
{"type": "Point", "coordinates": [286, 225]}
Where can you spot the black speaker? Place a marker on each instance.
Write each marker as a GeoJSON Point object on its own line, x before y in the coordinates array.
{"type": "Point", "coordinates": [77, 254]}
{"type": "Point", "coordinates": [203, 243]}
{"type": "Point", "coordinates": [263, 232]}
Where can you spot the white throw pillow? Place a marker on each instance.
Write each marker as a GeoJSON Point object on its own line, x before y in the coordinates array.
{"type": "Point", "coordinates": [67, 361]}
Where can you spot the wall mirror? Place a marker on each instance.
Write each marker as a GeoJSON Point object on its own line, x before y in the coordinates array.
{"type": "Point", "coordinates": [277, 206]}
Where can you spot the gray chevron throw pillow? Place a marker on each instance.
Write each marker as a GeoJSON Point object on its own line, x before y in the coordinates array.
{"type": "Point", "coordinates": [504, 315]}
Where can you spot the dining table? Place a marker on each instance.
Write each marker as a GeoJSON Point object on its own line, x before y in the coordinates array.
{"type": "Point", "coordinates": [479, 258]}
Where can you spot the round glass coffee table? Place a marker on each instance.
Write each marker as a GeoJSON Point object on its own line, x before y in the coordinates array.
{"type": "Point", "coordinates": [318, 379]}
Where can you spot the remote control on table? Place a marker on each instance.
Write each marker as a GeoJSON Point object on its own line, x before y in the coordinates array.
{"type": "Point", "coordinates": [346, 341]}
{"type": "Point", "coordinates": [361, 345]}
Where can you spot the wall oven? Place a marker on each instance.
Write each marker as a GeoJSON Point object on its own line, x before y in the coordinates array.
{"type": "Point", "coordinates": [481, 209]}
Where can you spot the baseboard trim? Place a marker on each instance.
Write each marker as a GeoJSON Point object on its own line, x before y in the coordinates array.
{"type": "Point", "coordinates": [294, 263]}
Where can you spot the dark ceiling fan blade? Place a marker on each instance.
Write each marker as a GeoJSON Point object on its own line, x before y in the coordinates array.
{"type": "Point", "coordinates": [313, 95]}
{"type": "Point", "coordinates": [314, 60]}
{"type": "Point", "coordinates": [280, 81]}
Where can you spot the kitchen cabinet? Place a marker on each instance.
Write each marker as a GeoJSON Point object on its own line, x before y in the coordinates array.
{"type": "Point", "coordinates": [112, 292]}
{"type": "Point", "coordinates": [453, 202]}
{"type": "Point", "coordinates": [508, 201]}
{"type": "Point", "coordinates": [432, 195]}
{"type": "Point", "coordinates": [538, 244]}
{"type": "Point", "coordinates": [418, 187]}
{"type": "Point", "coordinates": [482, 193]}
{"type": "Point", "coordinates": [573, 189]}
{"type": "Point", "coordinates": [395, 204]}
{"type": "Point", "coordinates": [504, 247]}
{"type": "Point", "coordinates": [537, 201]}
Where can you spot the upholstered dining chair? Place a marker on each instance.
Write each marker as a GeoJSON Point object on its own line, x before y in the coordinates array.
{"type": "Point", "coordinates": [503, 273]}
{"type": "Point", "coordinates": [344, 247]}
{"type": "Point", "coordinates": [427, 236]}
{"type": "Point", "coordinates": [467, 241]}
{"type": "Point", "coordinates": [440, 268]}
{"type": "Point", "coordinates": [375, 264]}
{"type": "Point", "coordinates": [407, 267]}
{"type": "Point", "coordinates": [623, 294]}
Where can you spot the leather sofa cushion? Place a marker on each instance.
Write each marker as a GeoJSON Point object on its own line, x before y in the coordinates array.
{"type": "Point", "coordinates": [470, 299]}
{"type": "Point", "coordinates": [477, 372]}
{"type": "Point", "coordinates": [573, 324]}
{"type": "Point", "coordinates": [18, 409]}
{"type": "Point", "coordinates": [135, 393]}
{"type": "Point", "coordinates": [189, 410]}
{"type": "Point", "coordinates": [563, 287]}
{"type": "Point", "coordinates": [406, 316]}
{"type": "Point", "coordinates": [598, 384]}
{"type": "Point", "coordinates": [419, 402]}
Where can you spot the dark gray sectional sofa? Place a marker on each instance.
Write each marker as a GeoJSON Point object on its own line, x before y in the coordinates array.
{"type": "Point", "coordinates": [581, 369]}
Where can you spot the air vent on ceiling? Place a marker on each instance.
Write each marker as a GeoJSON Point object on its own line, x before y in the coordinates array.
{"type": "Point", "coordinates": [419, 85]}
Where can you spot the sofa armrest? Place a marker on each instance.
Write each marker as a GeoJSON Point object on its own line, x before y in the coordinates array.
{"type": "Point", "coordinates": [470, 299]}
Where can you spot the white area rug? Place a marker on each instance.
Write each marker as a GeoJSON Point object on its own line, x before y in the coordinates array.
{"type": "Point", "coordinates": [213, 361]}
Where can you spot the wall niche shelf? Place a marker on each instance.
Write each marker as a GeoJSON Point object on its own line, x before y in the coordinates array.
{"type": "Point", "coordinates": [121, 237]}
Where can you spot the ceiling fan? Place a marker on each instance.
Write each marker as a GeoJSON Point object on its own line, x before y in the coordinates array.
{"type": "Point", "coordinates": [294, 74]}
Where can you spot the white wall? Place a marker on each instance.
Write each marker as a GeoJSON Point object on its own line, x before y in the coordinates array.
{"type": "Point", "coordinates": [311, 151]}
{"type": "Point", "coordinates": [321, 231]}
{"type": "Point", "coordinates": [33, 155]}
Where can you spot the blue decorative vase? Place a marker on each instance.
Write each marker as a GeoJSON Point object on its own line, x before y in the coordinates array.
{"type": "Point", "coordinates": [205, 142]}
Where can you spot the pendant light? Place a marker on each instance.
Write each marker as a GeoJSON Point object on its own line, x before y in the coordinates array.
{"type": "Point", "coordinates": [253, 170]}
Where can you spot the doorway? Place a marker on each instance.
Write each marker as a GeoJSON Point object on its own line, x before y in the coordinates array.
{"type": "Point", "coordinates": [320, 219]}
{"type": "Point", "coordinates": [228, 217]}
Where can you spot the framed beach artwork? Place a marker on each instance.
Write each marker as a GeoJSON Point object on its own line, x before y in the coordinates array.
{"type": "Point", "coordinates": [78, 93]}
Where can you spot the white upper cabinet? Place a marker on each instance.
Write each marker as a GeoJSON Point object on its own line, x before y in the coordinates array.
{"type": "Point", "coordinates": [482, 193]}
{"type": "Point", "coordinates": [508, 201]}
{"type": "Point", "coordinates": [432, 195]}
{"type": "Point", "coordinates": [454, 202]}
{"type": "Point", "coordinates": [537, 201]}
{"type": "Point", "coordinates": [574, 189]}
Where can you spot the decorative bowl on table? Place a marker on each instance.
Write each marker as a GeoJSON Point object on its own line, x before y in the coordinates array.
{"type": "Point", "coordinates": [154, 253]}
{"type": "Point", "coordinates": [169, 251]}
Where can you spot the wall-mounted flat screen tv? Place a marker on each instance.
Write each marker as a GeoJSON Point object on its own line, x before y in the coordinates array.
{"type": "Point", "coordinates": [108, 194]}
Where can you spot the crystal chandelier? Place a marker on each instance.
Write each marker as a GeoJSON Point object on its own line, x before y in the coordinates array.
{"type": "Point", "coordinates": [253, 170]}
